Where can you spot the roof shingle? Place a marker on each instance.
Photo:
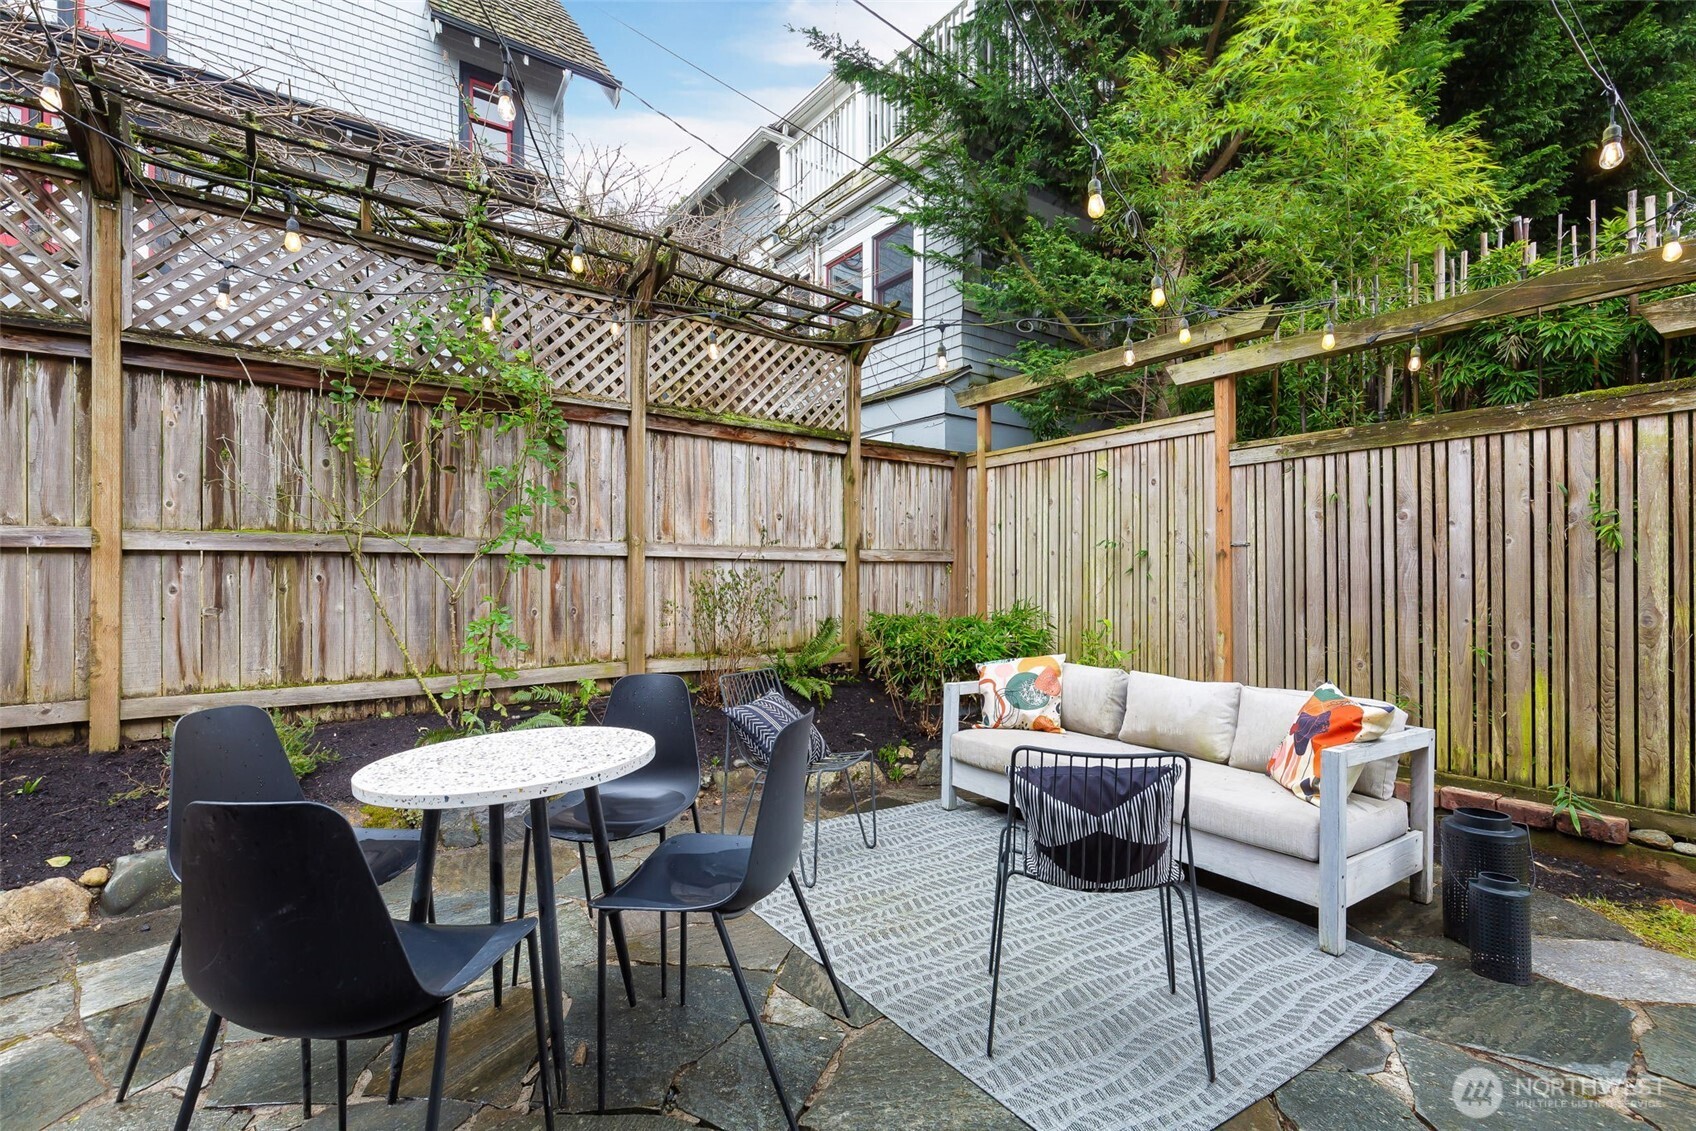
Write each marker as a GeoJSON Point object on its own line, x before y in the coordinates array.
{"type": "Point", "coordinates": [542, 27]}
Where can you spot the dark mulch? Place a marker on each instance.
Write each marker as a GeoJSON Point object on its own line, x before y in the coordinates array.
{"type": "Point", "coordinates": [79, 810]}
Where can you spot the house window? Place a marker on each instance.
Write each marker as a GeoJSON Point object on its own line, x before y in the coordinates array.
{"type": "Point", "coordinates": [893, 283]}
{"type": "Point", "coordinates": [482, 127]}
{"type": "Point", "coordinates": [125, 21]}
{"type": "Point", "coordinates": [847, 273]}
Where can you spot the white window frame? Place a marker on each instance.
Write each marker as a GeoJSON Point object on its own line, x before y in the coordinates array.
{"type": "Point", "coordinates": [865, 239]}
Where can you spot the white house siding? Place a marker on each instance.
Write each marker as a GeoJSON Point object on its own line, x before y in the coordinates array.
{"type": "Point", "coordinates": [376, 58]}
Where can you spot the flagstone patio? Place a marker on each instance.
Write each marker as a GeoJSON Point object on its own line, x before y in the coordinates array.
{"type": "Point", "coordinates": [1567, 1051]}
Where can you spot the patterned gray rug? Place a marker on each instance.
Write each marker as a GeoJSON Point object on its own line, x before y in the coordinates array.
{"type": "Point", "coordinates": [1087, 1035]}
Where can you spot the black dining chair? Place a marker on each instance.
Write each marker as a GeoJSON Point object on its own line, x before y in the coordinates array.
{"type": "Point", "coordinates": [756, 709]}
{"type": "Point", "coordinates": [285, 933]}
{"type": "Point", "coordinates": [1103, 823]}
{"type": "Point", "coordinates": [233, 754]}
{"type": "Point", "coordinates": [723, 875]}
{"type": "Point", "coordinates": [642, 802]}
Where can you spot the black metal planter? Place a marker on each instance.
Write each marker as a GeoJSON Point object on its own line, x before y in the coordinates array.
{"type": "Point", "coordinates": [1498, 913]}
{"type": "Point", "coordinates": [1476, 840]}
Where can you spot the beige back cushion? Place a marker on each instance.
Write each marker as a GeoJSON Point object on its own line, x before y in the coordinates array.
{"type": "Point", "coordinates": [1378, 779]}
{"type": "Point", "coordinates": [1186, 715]}
{"type": "Point", "coordinates": [1264, 718]}
{"type": "Point", "coordinates": [1092, 700]}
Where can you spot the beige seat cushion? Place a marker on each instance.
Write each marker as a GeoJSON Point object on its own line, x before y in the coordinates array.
{"type": "Point", "coordinates": [1092, 700]}
{"type": "Point", "coordinates": [1250, 808]}
{"type": "Point", "coordinates": [1264, 718]}
{"type": "Point", "coordinates": [992, 749]}
{"type": "Point", "coordinates": [1186, 715]}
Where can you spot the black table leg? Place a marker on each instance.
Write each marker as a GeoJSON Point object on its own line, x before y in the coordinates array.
{"type": "Point", "coordinates": [603, 861]}
{"type": "Point", "coordinates": [423, 873]}
{"type": "Point", "coordinates": [497, 881]}
{"type": "Point", "coordinates": [548, 919]}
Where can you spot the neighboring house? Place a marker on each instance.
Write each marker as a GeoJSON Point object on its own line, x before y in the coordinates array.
{"type": "Point", "coordinates": [801, 187]}
{"type": "Point", "coordinates": [429, 68]}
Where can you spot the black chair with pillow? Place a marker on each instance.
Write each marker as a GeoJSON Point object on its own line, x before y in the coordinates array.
{"type": "Point", "coordinates": [285, 933]}
{"type": "Point", "coordinates": [233, 754]}
{"type": "Point", "coordinates": [757, 712]}
{"type": "Point", "coordinates": [1103, 823]}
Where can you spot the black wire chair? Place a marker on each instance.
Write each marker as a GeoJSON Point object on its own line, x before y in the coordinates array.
{"type": "Point", "coordinates": [1103, 823]}
{"type": "Point", "coordinates": [285, 933]}
{"type": "Point", "coordinates": [723, 875]}
{"type": "Point", "coordinates": [233, 754]}
{"type": "Point", "coordinates": [642, 802]}
{"type": "Point", "coordinates": [740, 688]}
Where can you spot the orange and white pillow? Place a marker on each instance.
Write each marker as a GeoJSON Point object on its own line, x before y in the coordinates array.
{"type": "Point", "coordinates": [1022, 694]}
{"type": "Point", "coordinates": [1328, 719]}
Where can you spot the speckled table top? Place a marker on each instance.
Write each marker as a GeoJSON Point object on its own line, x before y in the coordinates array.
{"type": "Point", "coordinates": [492, 769]}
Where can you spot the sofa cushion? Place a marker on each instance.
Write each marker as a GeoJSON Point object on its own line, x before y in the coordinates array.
{"type": "Point", "coordinates": [1250, 808]}
{"type": "Point", "coordinates": [993, 749]}
{"type": "Point", "coordinates": [1022, 694]}
{"type": "Point", "coordinates": [1264, 716]}
{"type": "Point", "coordinates": [1186, 715]}
{"type": "Point", "coordinates": [1328, 720]}
{"type": "Point", "coordinates": [1378, 779]}
{"type": "Point", "coordinates": [1094, 699]}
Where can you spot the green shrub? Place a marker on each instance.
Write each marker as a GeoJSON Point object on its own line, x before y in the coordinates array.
{"type": "Point", "coordinates": [304, 755]}
{"type": "Point", "coordinates": [732, 613]}
{"type": "Point", "coordinates": [561, 706]}
{"type": "Point", "coordinates": [914, 654]}
{"type": "Point", "coordinates": [803, 671]}
{"type": "Point", "coordinates": [1098, 647]}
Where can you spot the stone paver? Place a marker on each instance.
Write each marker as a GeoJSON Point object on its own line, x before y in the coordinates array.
{"type": "Point", "coordinates": [806, 980]}
{"type": "Point", "coordinates": [37, 1011]}
{"type": "Point", "coordinates": [885, 1078]}
{"type": "Point", "coordinates": [407, 1115]}
{"type": "Point", "coordinates": [1321, 1099]}
{"type": "Point", "coordinates": [1621, 970]}
{"type": "Point", "coordinates": [489, 1051]}
{"type": "Point", "coordinates": [730, 1087]}
{"type": "Point", "coordinates": [1669, 1048]}
{"type": "Point", "coordinates": [268, 1072]}
{"type": "Point", "coordinates": [150, 1113]}
{"type": "Point", "coordinates": [1454, 1091]}
{"type": "Point", "coordinates": [1365, 1051]}
{"type": "Point", "coordinates": [124, 978]}
{"type": "Point", "coordinates": [46, 1077]}
{"type": "Point", "coordinates": [171, 1043]}
{"type": "Point", "coordinates": [1666, 1105]}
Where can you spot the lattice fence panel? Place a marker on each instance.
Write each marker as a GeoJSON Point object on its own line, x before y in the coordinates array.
{"type": "Point", "coordinates": [332, 296]}
{"type": "Point", "coordinates": [41, 235]}
{"type": "Point", "coordinates": [755, 376]}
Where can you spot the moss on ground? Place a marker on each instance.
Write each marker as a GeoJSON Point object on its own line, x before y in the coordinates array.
{"type": "Point", "coordinates": [1660, 925]}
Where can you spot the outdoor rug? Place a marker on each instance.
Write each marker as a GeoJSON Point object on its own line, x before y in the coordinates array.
{"type": "Point", "coordinates": [1087, 1035]}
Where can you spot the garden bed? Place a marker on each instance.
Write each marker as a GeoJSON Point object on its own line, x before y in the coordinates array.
{"type": "Point", "coordinates": [95, 808]}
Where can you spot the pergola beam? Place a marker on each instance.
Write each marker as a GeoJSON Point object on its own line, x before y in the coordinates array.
{"type": "Point", "coordinates": [1589, 282]}
{"type": "Point", "coordinates": [1149, 351]}
{"type": "Point", "coordinates": [1672, 317]}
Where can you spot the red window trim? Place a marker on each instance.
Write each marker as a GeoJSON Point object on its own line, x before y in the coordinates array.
{"type": "Point", "coordinates": [144, 6]}
{"type": "Point", "coordinates": [829, 268]}
{"type": "Point", "coordinates": [880, 284]}
{"type": "Point", "coordinates": [472, 85]}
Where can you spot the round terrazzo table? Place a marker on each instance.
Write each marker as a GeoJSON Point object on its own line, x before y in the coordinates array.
{"type": "Point", "coordinates": [495, 770]}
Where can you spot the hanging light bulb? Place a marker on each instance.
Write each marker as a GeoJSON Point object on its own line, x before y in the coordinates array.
{"type": "Point", "coordinates": [1096, 206]}
{"type": "Point", "coordinates": [712, 345]}
{"type": "Point", "coordinates": [1157, 296]}
{"type": "Point", "coordinates": [1130, 350]}
{"type": "Point", "coordinates": [52, 97]}
{"type": "Point", "coordinates": [505, 104]}
{"type": "Point", "coordinates": [291, 235]}
{"type": "Point", "coordinates": [1673, 250]}
{"type": "Point", "coordinates": [1612, 153]}
{"type": "Point", "coordinates": [1414, 362]}
{"type": "Point", "coordinates": [222, 300]}
{"type": "Point", "coordinates": [579, 261]}
{"type": "Point", "coordinates": [1183, 331]}
{"type": "Point", "coordinates": [1328, 340]}
{"type": "Point", "coordinates": [489, 310]}
{"type": "Point", "coordinates": [941, 358]}
{"type": "Point", "coordinates": [615, 328]}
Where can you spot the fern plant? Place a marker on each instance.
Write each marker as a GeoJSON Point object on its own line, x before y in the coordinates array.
{"type": "Point", "coordinates": [803, 671]}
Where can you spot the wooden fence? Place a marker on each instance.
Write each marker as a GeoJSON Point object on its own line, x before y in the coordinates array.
{"type": "Point", "coordinates": [1464, 565]}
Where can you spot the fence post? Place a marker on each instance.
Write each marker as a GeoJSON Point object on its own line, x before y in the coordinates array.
{"type": "Point", "coordinates": [980, 556]}
{"type": "Point", "coordinates": [636, 493]}
{"type": "Point", "coordinates": [1224, 435]}
{"type": "Point", "coordinates": [853, 467]}
{"type": "Point", "coordinates": [106, 468]}
{"type": "Point", "coordinates": [958, 546]}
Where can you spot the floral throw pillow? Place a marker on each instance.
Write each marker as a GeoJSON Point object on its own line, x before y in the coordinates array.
{"type": "Point", "coordinates": [1328, 719]}
{"type": "Point", "coordinates": [1022, 694]}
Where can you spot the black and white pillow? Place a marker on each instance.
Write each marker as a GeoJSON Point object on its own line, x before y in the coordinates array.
{"type": "Point", "coordinates": [1096, 827]}
{"type": "Point", "coordinates": [760, 722]}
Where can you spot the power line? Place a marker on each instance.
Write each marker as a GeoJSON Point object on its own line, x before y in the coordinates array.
{"type": "Point", "coordinates": [925, 47]}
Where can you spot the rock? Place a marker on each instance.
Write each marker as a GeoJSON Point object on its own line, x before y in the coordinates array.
{"type": "Point", "coordinates": [463, 828]}
{"type": "Point", "coordinates": [1624, 971]}
{"type": "Point", "coordinates": [95, 877]}
{"type": "Point", "coordinates": [1456, 1092]}
{"type": "Point", "coordinates": [37, 1011]}
{"type": "Point", "coordinates": [41, 911]}
{"type": "Point", "coordinates": [730, 1087]}
{"type": "Point", "coordinates": [930, 768]}
{"type": "Point", "coordinates": [141, 881]}
{"type": "Point", "coordinates": [884, 1078]}
{"type": "Point", "coordinates": [1319, 1098]}
{"type": "Point", "coordinates": [45, 1078]}
{"type": "Point", "coordinates": [1684, 848]}
{"type": "Point", "coordinates": [171, 1042]}
{"type": "Point", "coordinates": [1669, 1048]}
{"type": "Point", "coordinates": [1652, 838]}
{"type": "Point", "coordinates": [1596, 826]}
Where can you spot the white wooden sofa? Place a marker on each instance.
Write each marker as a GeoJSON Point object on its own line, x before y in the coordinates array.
{"type": "Point", "coordinates": [1244, 824]}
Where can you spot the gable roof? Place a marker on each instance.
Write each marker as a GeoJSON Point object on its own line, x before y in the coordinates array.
{"type": "Point", "coordinates": [542, 28]}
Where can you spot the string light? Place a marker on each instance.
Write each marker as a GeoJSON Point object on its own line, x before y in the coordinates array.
{"type": "Point", "coordinates": [1183, 331]}
{"type": "Point", "coordinates": [1096, 206]}
{"type": "Point", "coordinates": [1414, 361]}
{"type": "Point", "coordinates": [489, 310]}
{"type": "Point", "coordinates": [1612, 153]}
{"type": "Point", "coordinates": [941, 358]}
{"type": "Point", "coordinates": [1157, 296]}
{"type": "Point", "coordinates": [52, 97]}
{"type": "Point", "coordinates": [615, 328]}
{"type": "Point", "coordinates": [579, 261]}
{"type": "Point", "coordinates": [291, 228]}
{"type": "Point", "coordinates": [222, 299]}
{"type": "Point", "coordinates": [1673, 250]}
{"type": "Point", "coordinates": [1130, 350]}
{"type": "Point", "coordinates": [505, 104]}
{"type": "Point", "coordinates": [1328, 340]}
{"type": "Point", "coordinates": [712, 345]}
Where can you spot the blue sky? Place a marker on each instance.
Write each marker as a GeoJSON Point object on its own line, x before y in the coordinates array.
{"type": "Point", "coordinates": [744, 42]}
